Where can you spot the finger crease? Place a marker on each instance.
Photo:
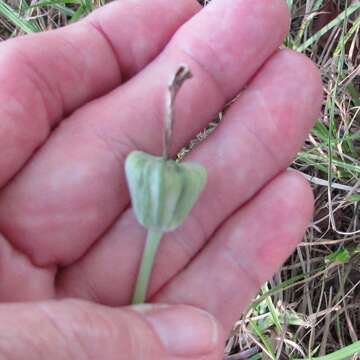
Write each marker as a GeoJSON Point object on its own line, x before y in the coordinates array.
{"type": "Point", "coordinates": [216, 83]}
{"type": "Point", "coordinates": [255, 135]}
{"type": "Point", "coordinates": [93, 24]}
{"type": "Point", "coordinates": [54, 324]}
{"type": "Point", "coordinates": [43, 86]}
{"type": "Point", "coordinates": [251, 276]}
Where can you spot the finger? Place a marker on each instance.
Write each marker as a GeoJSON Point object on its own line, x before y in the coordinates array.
{"type": "Point", "coordinates": [257, 139]}
{"type": "Point", "coordinates": [79, 330]}
{"type": "Point", "coordinates": [245, 251]}
{"type": "Point", "coordinates": [61, 70]}
{"type": "Point", "coordinates": [75, 188]}
{"type": "Point", "coordinates": [20, 280]}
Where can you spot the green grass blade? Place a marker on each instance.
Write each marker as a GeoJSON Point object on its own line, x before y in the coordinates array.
{"type": "Point", "coordinates": [354, 93]}
{"type": "Point", "coordinates": [348, 36]}
{"type": "Point", "coordinates": [343, 353]}
{"type": "Point", "coordinates": [255, 357]}
{"type": "Point", "coordinates": [263, 338]}
{"type": "Point", "coordinates": [320, 131]}
{"type": "Point", "coordinates": [25, 25]}
{"type": "Point", "coordinates": [64, 10]}
{"type": "Point", "coordinates": [318, 5]}
{"type": "Point", "coordinates": [355, 198]}
{"type": "Point", "coordinates": [53, 3]}
{"type": "Point", "coordinates": [306, 23]}
{"type": "Point", "coordinates": [273, 312]}
{"type": "Point", "coordinates": [341, 17]}
{"type": "Point", "coordinates": [87, 5]}
{"type": "Point", "coordinates": [295, 280]}
{"type": "Point", "coordinates": [317, 158]}
{"type": "Point", "coordinates": [78, 14]}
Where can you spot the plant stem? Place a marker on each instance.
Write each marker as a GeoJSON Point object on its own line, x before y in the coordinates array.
{"type": "Point", "coordinates": [182, 74]}
{"type": "Point", "coordinates": [152, 243]}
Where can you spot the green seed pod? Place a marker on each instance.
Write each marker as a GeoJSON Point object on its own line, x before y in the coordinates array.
{"type": "Point", "coordinates": [162, 192]}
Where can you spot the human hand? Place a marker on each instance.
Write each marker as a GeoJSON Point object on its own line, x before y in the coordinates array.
{"type": "Point", "coordinates": [74, 103]}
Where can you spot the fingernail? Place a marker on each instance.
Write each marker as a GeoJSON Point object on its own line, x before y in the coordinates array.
{"type": "Point", "coordinates": [183, 330]}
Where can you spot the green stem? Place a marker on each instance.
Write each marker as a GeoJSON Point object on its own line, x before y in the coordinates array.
{"type": "Point", "coordinates": [152, 243]}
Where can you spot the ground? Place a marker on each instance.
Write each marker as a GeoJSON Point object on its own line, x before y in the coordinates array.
{"type": "Point", "coordinates": [312, 305]}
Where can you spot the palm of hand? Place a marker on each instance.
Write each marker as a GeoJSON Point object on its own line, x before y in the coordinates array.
{"type": "Point", "coordinates": [67, 227]}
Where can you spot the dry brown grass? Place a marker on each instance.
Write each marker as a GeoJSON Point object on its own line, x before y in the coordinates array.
{"type": "Point", "coordinates": [312, 305]}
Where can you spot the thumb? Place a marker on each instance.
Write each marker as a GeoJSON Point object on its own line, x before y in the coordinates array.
{"type": "Point", "coordinates": [72, 329]}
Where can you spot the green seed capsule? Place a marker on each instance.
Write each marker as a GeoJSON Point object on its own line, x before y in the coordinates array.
{"type": "Point", "coordinates": [162, 192]}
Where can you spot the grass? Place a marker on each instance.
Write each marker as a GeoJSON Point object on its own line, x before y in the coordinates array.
{"type": "Point", "coordinates": [311, 308]}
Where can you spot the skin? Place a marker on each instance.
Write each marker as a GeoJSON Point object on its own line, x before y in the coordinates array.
{"type": "Point", "coordinates": [74, 102]}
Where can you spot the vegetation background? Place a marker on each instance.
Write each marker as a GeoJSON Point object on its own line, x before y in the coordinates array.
{"type": "Point", "coordinates": [312, 305]}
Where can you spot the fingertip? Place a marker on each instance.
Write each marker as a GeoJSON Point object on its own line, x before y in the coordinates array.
{"type": "Point", "coordinates": [183, 330]}
{"type": "Point", "coordinates": [312, 73]}
{"type": "Point", "coordinates": [292, 195]}
{"type": "Point", "coordinates": [280, 12]}
{"type": "Point", "coordinates": [291, 87]}
{"type": "Point", "coordinates": [286, 14]}
{"type": "Point", "coordinates": [305, 73]}
{"type": "Point", "coordinates": [291, 201]}
{"type": "Point", "coordinates": [298, 187]}
{"type": "Point", "coordinates": [192, 6]}
{"type": "Point", "coordinates": [231, 39]}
